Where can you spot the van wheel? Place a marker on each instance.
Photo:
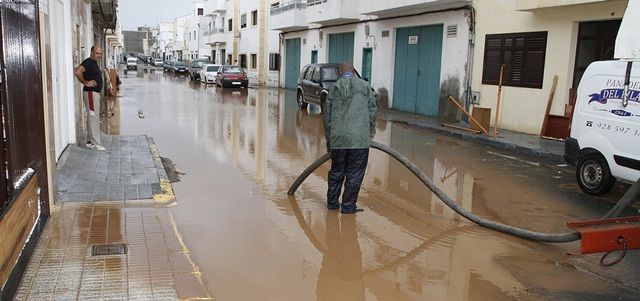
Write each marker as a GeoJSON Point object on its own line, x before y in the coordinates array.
{"type": "Point", "coordinates": [300, 101]}
{"type": "Point", "coordinates": [593, 174]}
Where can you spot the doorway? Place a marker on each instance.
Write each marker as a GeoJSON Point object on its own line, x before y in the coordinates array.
{"type": "Point", "coordinates": [596, 41]}
{"type": "Point", "coordinates": [367, 61]}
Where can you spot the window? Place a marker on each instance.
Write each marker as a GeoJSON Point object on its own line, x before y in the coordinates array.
{"type": "Point", "coordinates": [194, 35]}
{"type": "Point", "coordinates": [254, 18]}
{"type": "Point", "coordinates": [274, 61]}
{"type": "Point", "coordinates": [309, 73]}
{"type": "Point", "coordinates": [200, 11]}
{"type": "Point", "coordinates": [316, 75]}
{"type": "Point", "coordinates": [230, 28]}
{"type": "Point", "coordinates": [243, 60]}
{"type": "Point", "coordinates": [523, 56]}
{"type": "Point", "coordinates": [243, 21]}
{"type": "Point", "coordinates": [254, 61]}
{"type": "Point", "coordinates": [303, 72]}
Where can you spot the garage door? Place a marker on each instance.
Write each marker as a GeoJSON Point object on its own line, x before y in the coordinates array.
{"type": "Point", "coordinates": [341, 47]}
{"type": "Point", "coordinates": [292, 69]}
{"type": "Point", "coordinates": [416, 87]}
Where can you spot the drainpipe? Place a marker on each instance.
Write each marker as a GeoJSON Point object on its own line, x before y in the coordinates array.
{"type": "Point", "coordinates": [472, 39]}
{"type": "Point", "coordinates": [280, 41]}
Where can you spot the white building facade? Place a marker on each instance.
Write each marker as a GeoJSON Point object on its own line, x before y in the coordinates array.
{"type": "Point", "coordinates": [554, 38]}
{"type": "Point", "coordinates": [414, 53]}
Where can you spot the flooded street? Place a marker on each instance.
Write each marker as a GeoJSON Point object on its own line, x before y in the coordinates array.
{"type": "Point", "coordinates": [240, 150]}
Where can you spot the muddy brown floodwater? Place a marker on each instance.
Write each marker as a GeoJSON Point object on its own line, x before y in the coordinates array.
{"type": "Point", "coordinates": [241, 149]}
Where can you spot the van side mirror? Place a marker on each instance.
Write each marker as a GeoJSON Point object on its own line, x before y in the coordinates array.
{"type": "Point", "coordinates": [366, 79]}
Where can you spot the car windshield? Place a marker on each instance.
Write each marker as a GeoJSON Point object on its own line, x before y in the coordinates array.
{"type": "Point", "coordinates": [213, 68]}
{"type": "Point", "coordinates": [180, 65]}
{"type": "Point", "coordinates": [233, 70]}
{"type": "Point", "coordinates": [330, 74]}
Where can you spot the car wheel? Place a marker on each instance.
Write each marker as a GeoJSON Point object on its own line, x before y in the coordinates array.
{"type": "Point", "coordinates": [300, 100]}
{"type": "Point", "coordinates": [593, 174]}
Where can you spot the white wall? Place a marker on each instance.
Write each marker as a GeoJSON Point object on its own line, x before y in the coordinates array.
{"type": "Point", "coordinates": [454, 54]}
{"type": "Point", "coordinates": [61, 31]}
{"type": "Point", "coordinates": [523, 108]}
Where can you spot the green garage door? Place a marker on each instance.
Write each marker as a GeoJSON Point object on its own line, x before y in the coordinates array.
{"type": "Point", "coordinates": [292, 69]}
{"type": "Point", "coordinates": [416, 87]}
{"type": "Point", "coordinates": [341, 47]}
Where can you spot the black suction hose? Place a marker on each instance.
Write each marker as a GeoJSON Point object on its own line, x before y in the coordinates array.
{"type": "Point", "coordinates": [629, 197]}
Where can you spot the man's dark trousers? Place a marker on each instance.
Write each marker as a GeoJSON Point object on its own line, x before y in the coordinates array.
{"type": "Point", "coordinates": [348, 167]}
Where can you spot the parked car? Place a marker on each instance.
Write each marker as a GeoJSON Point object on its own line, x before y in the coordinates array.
{"type": "Point", "coordinates": [233, 76]}
{"type": "Point", "coordinates": [158, 62]}
{"type": "Point", "coordinates": [132, 63]}
{"type": "Point", "coordinates": [208, 73]}
{"type": "Point", "coordinates": [196, 66]}
{"type": "Point", "coordinates": [179, 68]}
{"type": "Point", "coordinates": [315, 81]}
{"type": "Point", "coordinates": [167, 66]}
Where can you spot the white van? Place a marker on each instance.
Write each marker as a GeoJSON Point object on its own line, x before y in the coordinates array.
{"type": "Point", "coordinates": [132, 63]}
{"type": "Point", "coordinates": [605, 131]}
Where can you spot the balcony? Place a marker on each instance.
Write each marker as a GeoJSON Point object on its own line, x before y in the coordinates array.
{"type": "Point", "coordinates": [540, 4]}
{"type": "Point", "coordinates": [331, 12]}
{"type": "Point", "coordinates": [288, 16]}
{"type": "Point", "coordinates": [217, 36]}
{"type": "Point", "coordinates": [105, 12]}
{"type": "Point", "coordinates": [215, 7]}
{"type": "Point", "coordinates": [383, 8]}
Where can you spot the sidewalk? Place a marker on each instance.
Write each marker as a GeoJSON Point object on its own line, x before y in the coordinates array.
{"type": "Point", "coordinates": [522, 143]}
{"type": "Point", "coordinates": [117, 198]}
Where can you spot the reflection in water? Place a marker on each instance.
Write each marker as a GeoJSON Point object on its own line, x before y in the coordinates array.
{"type": "Point", "coordinates": [405, 246]}
{"type": "Point", "coordinates": [340, 276]}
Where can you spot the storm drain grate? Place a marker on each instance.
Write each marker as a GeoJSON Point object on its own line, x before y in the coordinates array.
{"type": "Point", "coordinates": [113, 249]}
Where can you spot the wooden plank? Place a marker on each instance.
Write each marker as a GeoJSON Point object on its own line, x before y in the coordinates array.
{"type": "Point", "coordinates": [496, 126]}
{"type": "Point", "coordinates": [552, 93]}
{"type": "Point", "coordinates": [15, 228]}
{"type": "Point", "coordinates": [455, 102]}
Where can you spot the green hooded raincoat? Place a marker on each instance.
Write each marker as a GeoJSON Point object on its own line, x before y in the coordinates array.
{"type": "Point", "coordinates": [349, 114]}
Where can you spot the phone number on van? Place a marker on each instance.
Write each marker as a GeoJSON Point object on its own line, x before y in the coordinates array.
{"type": "Point", "coordinates": [615, 128]}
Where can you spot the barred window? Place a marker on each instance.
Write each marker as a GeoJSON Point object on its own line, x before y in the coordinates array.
{"type": "Point", "coordinates": [523, 56]}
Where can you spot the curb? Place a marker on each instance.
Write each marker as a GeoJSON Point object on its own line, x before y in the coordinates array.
{"type": "Point", "coordinates": [163, 193]}
{"type": "Point", "coordinates": [477, 138]}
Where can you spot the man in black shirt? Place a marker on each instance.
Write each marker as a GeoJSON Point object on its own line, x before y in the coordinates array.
{"type": "Point", "coordinates": [90, 75]}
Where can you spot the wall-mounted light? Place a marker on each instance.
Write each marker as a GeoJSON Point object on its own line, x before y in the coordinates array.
{"type": "Point", "coordinates": [367, 33]}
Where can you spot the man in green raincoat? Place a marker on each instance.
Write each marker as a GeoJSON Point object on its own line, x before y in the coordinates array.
{"type": "Point", "coordinates": [349, 124]}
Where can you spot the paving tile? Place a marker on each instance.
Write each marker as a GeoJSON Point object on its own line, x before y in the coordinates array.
{"type": "Point", "coordinates": [62, 268]}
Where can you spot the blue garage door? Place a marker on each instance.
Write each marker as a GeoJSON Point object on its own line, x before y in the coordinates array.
{"type": "Point", "coordinates": [341, 47]}
{"type": "Point", "coordinates": [416, 87]}
{"type": "Point", "coordinates": [292, 69]}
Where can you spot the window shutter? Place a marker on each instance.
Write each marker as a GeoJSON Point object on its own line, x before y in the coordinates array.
{"type": "Point", "coordinates": [523, 56]}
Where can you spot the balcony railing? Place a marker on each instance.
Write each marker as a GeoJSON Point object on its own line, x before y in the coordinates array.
{"type": "Point", "coordinates": [289, 5]}
{"type": "Point", "coordinates": [315, 2]}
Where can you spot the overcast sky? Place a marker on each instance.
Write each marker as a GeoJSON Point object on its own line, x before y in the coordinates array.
{"type": "Point", "coordinates": [135, 13]}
